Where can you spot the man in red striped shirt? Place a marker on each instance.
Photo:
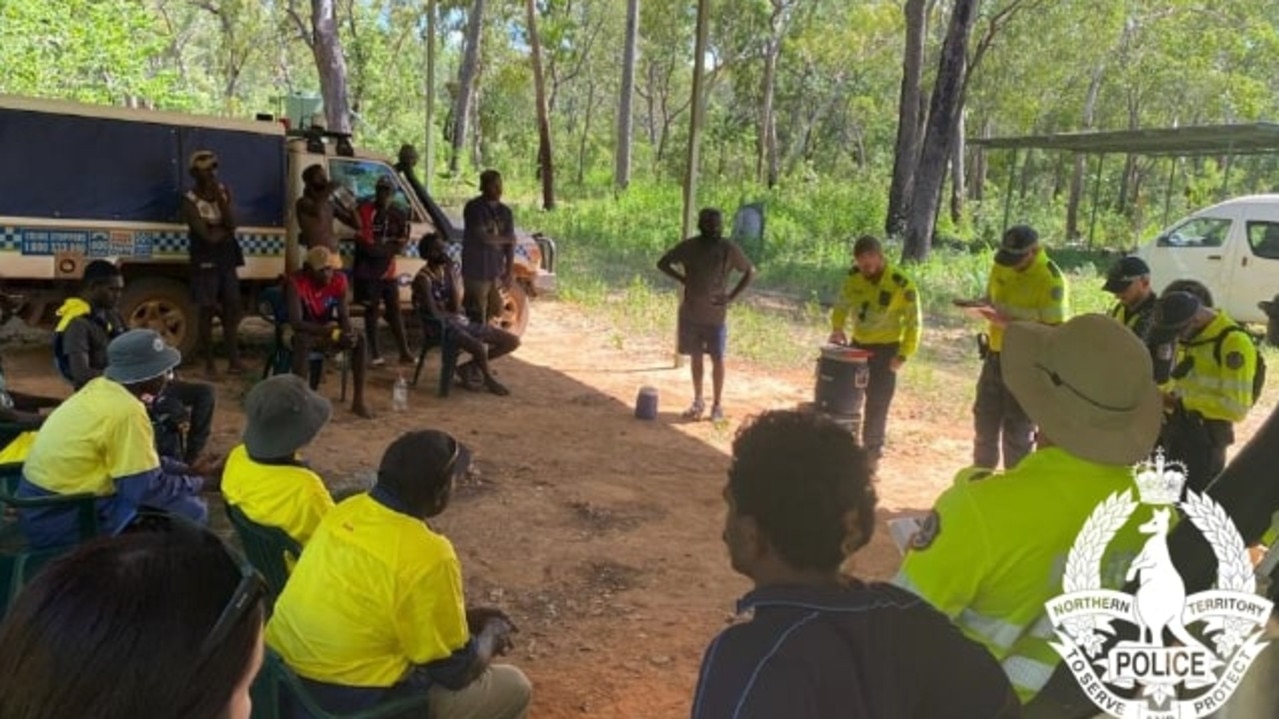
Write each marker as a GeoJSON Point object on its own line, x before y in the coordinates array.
{"type": "Point", "coordinates": [321, 320]}
{"type": "Point", "coordinates": [384, 231]}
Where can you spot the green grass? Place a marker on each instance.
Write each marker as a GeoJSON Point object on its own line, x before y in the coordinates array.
{"type": "Point", "coordinates": [609, 249]}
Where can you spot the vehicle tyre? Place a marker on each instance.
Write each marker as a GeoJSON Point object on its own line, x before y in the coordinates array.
{"type": "Point", "coordinates": [514, 317]}
{"type": "Point", "coordinates": [163, 305]}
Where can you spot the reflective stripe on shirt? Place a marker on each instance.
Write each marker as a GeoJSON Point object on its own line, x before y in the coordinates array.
{"type": "Point", "coordinates": [1027, 675]}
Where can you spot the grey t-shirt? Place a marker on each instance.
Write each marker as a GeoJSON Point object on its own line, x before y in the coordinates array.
{"type": "Point", "coordinates": [707, 266]}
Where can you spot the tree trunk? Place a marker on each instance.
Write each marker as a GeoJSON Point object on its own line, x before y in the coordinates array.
{"type": "Point", "coordinates": [650, 102]}
{"type": "Point", "coordinates": [1028, 169]}
{"type": "Point", "coordinates": [906, 152]}
{"type": "Point", "coordinates": [428, 159]}
{"type": "Point", "coordinates": [1077, 177]}
{"type": "Point", "coordinates": [477, 130]}
{"type": "Point", "coordinates": [331, 65]}
{"type": "Point", "coordinates": [625, 116]}
{"type": "Point", "coordinates": [766, 162]}
{"type": "Point", "coordinates": [466, 77]}
{"type": "Point", "coordinates": [545, 160]}
{"type": "Point", "coordinates": [947, 101]}
{"type": "Point", "coordinates": [958, 147]}
{"type": "Point", "coordinates": [586, 133]}
{"type": "Point", "coordinates": [1130, 161]}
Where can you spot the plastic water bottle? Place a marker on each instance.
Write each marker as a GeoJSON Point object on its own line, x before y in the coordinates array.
{"type": "Point", "coordinates": [400, 395]}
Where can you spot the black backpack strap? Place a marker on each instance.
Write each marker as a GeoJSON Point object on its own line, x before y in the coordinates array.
{"type": "Point", "coordinates": [1220, 340]}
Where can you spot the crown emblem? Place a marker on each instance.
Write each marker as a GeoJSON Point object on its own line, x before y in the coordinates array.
{"type": "Point", "coordinates": [1159, 482]}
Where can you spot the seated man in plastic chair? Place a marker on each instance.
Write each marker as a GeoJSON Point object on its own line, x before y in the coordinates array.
{"type": "Point", "coordinates": [265, 478]}
{"type": "Point", "coordinates": [183, 413]}
{"type": "Point", "coordinates": [20, 413]}
{"type": "Point", "coordinates": [374, 611]}
{"type": "Point", "coordinates": [321, 319]}
{"type": "Point", "coordinates": [100, 441]}
{"type": "Point", "coordinates": [438, 292]}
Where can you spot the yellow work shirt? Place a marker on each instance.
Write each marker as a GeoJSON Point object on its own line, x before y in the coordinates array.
{"type": "Point", "coordinates": [18, 449]}
{"type": "Point", "coordinates": [98, 435]}
{"type": "Point", "coordinates": [999, 548]}
{"type": "Point", "coordinates": [288, 496]}
{"type": "Point", "coordinates": [884, 311]}
{"type": "Point", "coordinates": [1218, 390]}
{"type": "Point", "coordinates": [1035, 294]}
{"type": "Point", "coordinates": [375, 593]}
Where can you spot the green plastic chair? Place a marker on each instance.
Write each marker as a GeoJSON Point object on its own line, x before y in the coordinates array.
{"type": "Point", "coordinates": [268, 549]}
{"type": "Point", "coordinates": [277, 681]}
{"type": "Point", "coordinates": [272, 308]}
{"type": "Point", "coordinates": [18, 562]}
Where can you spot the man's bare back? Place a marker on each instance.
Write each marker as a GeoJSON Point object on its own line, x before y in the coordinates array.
{"type": "Point", "coordinates": [315, 218]}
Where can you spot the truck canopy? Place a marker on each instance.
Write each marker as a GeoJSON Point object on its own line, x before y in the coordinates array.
{"type": "Point", "coordinates": [110, 168]}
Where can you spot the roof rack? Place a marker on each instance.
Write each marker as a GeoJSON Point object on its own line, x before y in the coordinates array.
{"type": "Point", "coordinates": [315, 137]}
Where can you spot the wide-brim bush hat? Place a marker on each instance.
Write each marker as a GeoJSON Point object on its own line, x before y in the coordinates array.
{"type": "Point", "coordinates": [1088, 384]}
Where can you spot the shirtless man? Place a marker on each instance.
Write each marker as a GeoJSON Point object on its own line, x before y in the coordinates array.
{"type": "Point", "coordinates": [316, 210]}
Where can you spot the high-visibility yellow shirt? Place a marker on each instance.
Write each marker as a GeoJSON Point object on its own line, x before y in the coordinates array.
{"type": "Point", "coordinates": [884, 310]}
{"type": "Point", "coordinates": [1218, 390]}
{"type": "Point", "coordinates": [98, 435]}
{"type": "Point", "coordinates": [375, 592]}
{"type": "Point", "coordinates": [1035, 294]}
{"type": "Point", "coordinates": [288, 496]}
{"type": "Point", "coordinates": [1137, 318]}
{"type": "Point", "coordinates": [18, 449]}
{"type": "Point", "coordinates": [1000, 549]}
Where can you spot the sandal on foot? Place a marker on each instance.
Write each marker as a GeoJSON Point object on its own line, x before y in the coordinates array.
{"type": "Point", "coordinates": [496, 387]}
{"type": "Point", "coordinates": [694, 410]}
{"type": "Point", "coordinates": [717, 414]}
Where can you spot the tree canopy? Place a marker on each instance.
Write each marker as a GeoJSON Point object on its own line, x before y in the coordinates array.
{"type": "Point", "coordinates": [796, 90]}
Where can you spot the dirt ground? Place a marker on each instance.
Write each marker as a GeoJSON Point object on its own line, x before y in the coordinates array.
{"type": "Point", "coordinates": [598, 532]}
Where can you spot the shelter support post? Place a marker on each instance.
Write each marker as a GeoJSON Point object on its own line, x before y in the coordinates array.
{"type": "Point", "coordinates": [1096, 193]}
{"type": "Point", "coordinates": [1172, 178]}
{"type": "Point", "coordinates": [1008, 190]}
{"type": "Point", "coordinates": [1225, 175]}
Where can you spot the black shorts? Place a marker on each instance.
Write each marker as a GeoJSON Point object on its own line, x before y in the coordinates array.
{"type": "Point", "coordinates": [384, 291]}
{"type": "Point", "coordinates": [697, 338]}
{"type": "Point", "coordinates": [216, 287]}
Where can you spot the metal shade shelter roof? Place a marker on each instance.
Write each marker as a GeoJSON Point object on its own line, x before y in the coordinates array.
{"type": "Point", "coordinates": [1243, 139]}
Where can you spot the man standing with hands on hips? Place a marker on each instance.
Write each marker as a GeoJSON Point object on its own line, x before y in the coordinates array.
{"type": "Point", "coordinates": [886, 316]}
{"type": "Point", "coordinates": [488, 250]}
{"type": "Point", "coordinates": [707, 261]}
{"type": "Point", "coordinates": [1024, 285]}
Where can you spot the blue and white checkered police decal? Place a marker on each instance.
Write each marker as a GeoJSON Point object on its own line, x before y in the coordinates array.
{"type": "Point", "coordinates": [46, 241]}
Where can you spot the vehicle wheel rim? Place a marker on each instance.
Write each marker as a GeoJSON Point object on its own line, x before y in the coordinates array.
{"type": "Point", "coordinates": [166, 318]}
{"type": "Point", "coordinates": [510, 312]}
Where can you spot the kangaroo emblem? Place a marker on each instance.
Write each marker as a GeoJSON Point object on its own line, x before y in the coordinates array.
{"type": "Point", "coordinates": [1162, 594]}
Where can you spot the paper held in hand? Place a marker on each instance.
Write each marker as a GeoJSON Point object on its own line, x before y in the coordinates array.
{"type": "Point", "coordinates": [902, 529]}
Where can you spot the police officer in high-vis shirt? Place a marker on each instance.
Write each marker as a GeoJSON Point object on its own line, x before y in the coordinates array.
{"type": "Point", "coordinates": [993, 549]}
{"type": "Point", "coordinates": [1024, 285]}
{"type": "Point", "coordinates": [884, 309]}
{"type": "Point", "coordinates": [1129, 281]}
{"type": "Point", "coordinates": [1212, 384]}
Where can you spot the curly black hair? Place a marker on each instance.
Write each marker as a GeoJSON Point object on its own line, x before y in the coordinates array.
{"type": "Point", "coordinates": [806, 482]}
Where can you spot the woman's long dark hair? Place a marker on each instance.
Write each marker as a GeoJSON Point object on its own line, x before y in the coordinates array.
{"type": "Point", "coordinates": [114, 631]}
